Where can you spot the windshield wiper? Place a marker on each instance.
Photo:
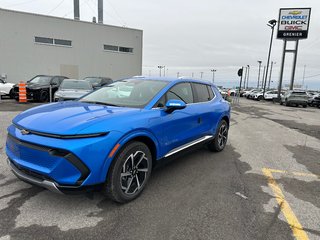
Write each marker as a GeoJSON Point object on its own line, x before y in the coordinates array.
{"type": "Point", "coordinates": [102, 103]}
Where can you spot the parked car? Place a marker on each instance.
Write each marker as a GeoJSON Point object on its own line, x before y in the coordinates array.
{"type": "Point", "coordinates": [314, 101]}
{"type": "Point", "coordinates": [115, 142]}
{"type": "Point", "coordinates": [258, 96]}
{"type": "Point", "coordinates": [71, 89]}
{"type": "Point", "coordinates": [273, 94]}
{"type": "Point", "coordinates": [6, 89]}
{"type": "Point", "coordinates": [295, 97]}
{"type": "Point", "coordinates": [248, 92]}
{"type": "Point", "coordinates": [251, 95]}
{"type": "Point", "coordinates": [98, 82]}
{"type": "Point", "coordinates": [38, 87]}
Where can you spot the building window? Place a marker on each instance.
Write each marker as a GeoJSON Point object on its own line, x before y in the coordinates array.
{"type": "Point", "coordinates": [43, 40]}
{"type": "Point", "coordinates": [53, 41]}
{"type": "Point", "coordinates": [125, 49]}
{"type": "Point", "coordinates": [62, 42]}
{"type": "Point", "coordinates": [114, 48]}
{"type": "Point", "coordinates": [111, 48]}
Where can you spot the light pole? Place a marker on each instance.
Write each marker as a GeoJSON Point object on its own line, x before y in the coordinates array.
{"type": "Point", "coordinates": [270, 73]}
{"type": "Point", "coordinates": [272, 23]}
{"type": "Point", "coordinates": [160, 68]}
{"type": "Point", "coordinates": [245, 78]}
{"type": "Point", "coordinates": [248, 66]}
{"type": "Point", "coordinates": [259, 73]}
{"type": "Point", "coordinates": [213, 71]}
{"type": "Point", "coordinates": [304, 75]}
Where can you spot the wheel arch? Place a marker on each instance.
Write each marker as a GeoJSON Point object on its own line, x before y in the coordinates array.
{"type": "Point", "coordinates": [140, 136]}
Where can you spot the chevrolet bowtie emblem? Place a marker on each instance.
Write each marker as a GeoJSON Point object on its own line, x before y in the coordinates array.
{"type": "Point", "coordinates": [24, 132]}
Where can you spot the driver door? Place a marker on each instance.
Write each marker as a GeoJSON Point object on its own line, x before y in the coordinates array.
{"type": "Point", "coordinates": [177, 128]}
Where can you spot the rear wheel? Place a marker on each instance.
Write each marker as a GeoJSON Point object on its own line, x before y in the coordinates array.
{"type": "Point", "coordinates": [220, 141]}
{"type": "Point", "coordinates": [129, 172]}
{"type": "Point", "coordinates": [260, 98]}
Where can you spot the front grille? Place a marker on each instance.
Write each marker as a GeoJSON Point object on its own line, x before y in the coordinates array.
{"type": "Point", "coordinates": [45, 157]}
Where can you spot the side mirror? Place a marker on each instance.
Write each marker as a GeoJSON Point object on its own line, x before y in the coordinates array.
{"type": "Point", "coordinates": [174, 104]}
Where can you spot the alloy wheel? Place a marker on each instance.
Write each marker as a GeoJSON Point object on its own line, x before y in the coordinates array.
{"type": "Point", "coordinates": [223, 135]}
{"type": "Point", "coordinates": [134, 173]}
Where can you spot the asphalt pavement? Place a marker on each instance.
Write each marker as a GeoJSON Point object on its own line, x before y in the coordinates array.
{"type": "Point", "coordinates": [264, 185]}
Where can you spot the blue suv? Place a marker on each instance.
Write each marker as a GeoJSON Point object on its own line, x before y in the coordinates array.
{"type": "Point", "coordinates": [113, 137]}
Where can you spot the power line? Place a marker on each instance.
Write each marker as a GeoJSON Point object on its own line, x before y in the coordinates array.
{"type": "Point", "coordinates": [116, 12]}
{"type": "Point", "coordinates": [59, 4]}
{"type": "Point", "coordinates": [313, 76]}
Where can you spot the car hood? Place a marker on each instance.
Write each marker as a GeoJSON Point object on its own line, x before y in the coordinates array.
{"type": "Point", "coordinates": [71, 93]}
{"type": "Point", "coordinates": [35, 85]}
{"type": "Point", "coordinates": [69, 118]}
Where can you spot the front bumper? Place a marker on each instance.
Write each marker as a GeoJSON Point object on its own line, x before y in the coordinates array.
{"type": "Point", "coordinates": [68, 163]}
{"type": "Point", "coordinates": [50, 185]}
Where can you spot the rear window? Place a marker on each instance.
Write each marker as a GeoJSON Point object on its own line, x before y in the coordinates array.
{"type": "Point", "coordinates": [202, 92]}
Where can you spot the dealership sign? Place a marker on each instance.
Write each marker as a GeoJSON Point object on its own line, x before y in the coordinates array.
{"type": "Point", "coordinates": [293, 23]}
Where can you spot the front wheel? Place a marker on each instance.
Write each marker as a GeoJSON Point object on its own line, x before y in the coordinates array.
{"type": "Point", "coordinates": [220, 140]}
{"type": "Point", "coordinates": [129, 172]}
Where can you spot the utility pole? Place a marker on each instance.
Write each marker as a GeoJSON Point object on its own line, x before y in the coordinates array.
{"type": "Point", "coordinates": [259, 73]}
{"type": "Point", "coordinates": [201, 74]}
{"type": "Point", "coordinates": [178, 74]}
{"type": "Point", "coordinates": [192, 75]}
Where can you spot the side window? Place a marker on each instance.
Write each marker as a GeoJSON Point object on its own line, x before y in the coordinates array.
{"type": "Point", "coordinates": [211, 93]}
{"type": "Point", "coordinates": [161, 103]}
{"type": "Point", "coordinates": [202, 92]}
{"type": "Point", "coordinates": [55, 80]}
{"type": "Point", "coordinates": [181, 91]}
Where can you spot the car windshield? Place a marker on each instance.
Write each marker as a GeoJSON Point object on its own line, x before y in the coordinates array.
{"type": "Point", "coordinates": [126, 93]}
{"type": "Point", "coordinates": [41, 79]}
{"type": "Point", "coordinates": [75, 84]}
{"type": "Point", "coordinates": [93, 80]}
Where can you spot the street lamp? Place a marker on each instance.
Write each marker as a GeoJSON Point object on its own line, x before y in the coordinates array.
{"type": "Point", "coordinates": [213, 71]}
{"type": "Point", "coordinates": [259, 73]}
{"type": "Point", "coordinates": [160, 67]}
{"type": "Point", "coordinates": [272, 23]}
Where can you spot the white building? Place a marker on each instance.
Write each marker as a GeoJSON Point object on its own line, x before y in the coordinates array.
{"type": "Point", "coordinates": [32, 44]}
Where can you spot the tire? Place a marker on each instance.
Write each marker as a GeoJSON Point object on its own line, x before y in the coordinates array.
{"type": "Point", "coordinates": [44, 96]}
{"type": "Point", "coordinates": [11, 94]}
{"type": "Point", "coordinates": [125, 188]}
{"type": "Point", "coordinates": [260, 98]}
{"type": "Point", "coordinates": [286, 103]}
{"type": "Point", "coordinates": [281, 103]}
{"type": "Point", "coordinates": [304, 106]}
{"type": "Point", "coordinates": [221, 138]}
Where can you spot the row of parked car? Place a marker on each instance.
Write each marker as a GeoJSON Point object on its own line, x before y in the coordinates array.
{"type": "Point", "coordinates": [288, 98]}
{"type": "Point", "coordinates": [62, 88]}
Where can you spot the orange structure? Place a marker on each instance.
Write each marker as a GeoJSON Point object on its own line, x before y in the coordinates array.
{"type": "Point", "coordinates": [22, 92]}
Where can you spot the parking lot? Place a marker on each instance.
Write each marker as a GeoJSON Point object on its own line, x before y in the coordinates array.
{"type": "Point", "coordinates": [264, 185]}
